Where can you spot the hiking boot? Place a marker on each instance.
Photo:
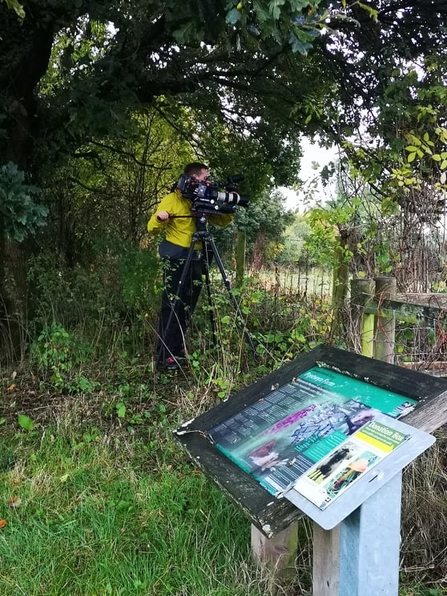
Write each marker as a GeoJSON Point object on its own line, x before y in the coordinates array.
{"type": "Point", "coordinates": [171, 363]}
{"type": "Point", "coordinates": [181, 356]}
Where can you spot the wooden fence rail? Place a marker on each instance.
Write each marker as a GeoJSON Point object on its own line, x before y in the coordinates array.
{"type": "Point", "coordinates": [376, 310]}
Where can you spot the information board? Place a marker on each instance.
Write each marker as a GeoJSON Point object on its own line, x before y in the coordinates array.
{"type": "Point", "coordinates": [267, 437]}
{"type": "Point", "coordinates": [311, 425]}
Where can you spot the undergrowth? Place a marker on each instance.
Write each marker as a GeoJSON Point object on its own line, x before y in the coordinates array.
{"type": "Point", "coordinates": [96, 497]}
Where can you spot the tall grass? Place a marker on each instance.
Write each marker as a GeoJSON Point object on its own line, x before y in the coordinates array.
{"type": "Point", "coordinates": [424, 516]}
{"type": "Point", "coordinates": [89, 511]}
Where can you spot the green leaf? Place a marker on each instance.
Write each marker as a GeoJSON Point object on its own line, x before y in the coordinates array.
{"type": "Point", "coordinates": [25, 422]}
{"type": "Point", "coordinates": [372, 13]}
{"type": "Point", "coordinates": [299, 46]}
{"type": "Point", "coordinates": [261, 14]}
{"type": "Point", "coordinates": [298, 5]}
{"type": "Point", "coordinates": [411, 157]}
{"type": "Point", "coordinates": [120, 410]}
{"type": "Point", "coordinates": [188, 32]}
{"type": "Point", "coordinates": [233, 16]}
{"type": "Point", "coordinates": [15, 5]}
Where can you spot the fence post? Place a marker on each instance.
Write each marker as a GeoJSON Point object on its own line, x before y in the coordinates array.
{"type": "Point", "coordinates": [240, 257]}
{"type": "Point", "coordinates": [277, 553]}
{"type": "Point", "coordinates": [362, 291]}
{"type": "Point", "coordinates": [385, 331]}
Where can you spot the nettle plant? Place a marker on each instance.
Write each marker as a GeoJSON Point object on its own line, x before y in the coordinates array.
{"type": "Point", "coordinates": [59, 356]}
{"type": "Point", "coordinates": [20, 216]}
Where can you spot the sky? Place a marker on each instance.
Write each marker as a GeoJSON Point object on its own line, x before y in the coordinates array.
{"type": "Point", "coordinates": [312, 155]}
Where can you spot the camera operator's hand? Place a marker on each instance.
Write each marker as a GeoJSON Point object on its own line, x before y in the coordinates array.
{"type": "Point", "coordinates": [163, 215]}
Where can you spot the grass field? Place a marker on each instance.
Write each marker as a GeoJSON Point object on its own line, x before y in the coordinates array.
{"type": "Point", "coordinates": [91, 510]}
{"type": "Point", "coordinates": [310, 281]}
{"type": "Point", "coordinates": [92, 504]}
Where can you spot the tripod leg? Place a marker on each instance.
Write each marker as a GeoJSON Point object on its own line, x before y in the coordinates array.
{"type": "Point", "coordinates": [234, 302]}
{"type": "Point", "coordinates": [174, 306]}
{"type": "Point", "coordinates": [208, 291]}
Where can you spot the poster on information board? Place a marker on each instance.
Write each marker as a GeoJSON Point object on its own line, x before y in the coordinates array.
{"type": "Point", "coordinates": [314, 420]}
{"type": "Point", "coordinates": [349, 462]}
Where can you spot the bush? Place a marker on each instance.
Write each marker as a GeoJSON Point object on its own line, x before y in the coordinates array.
{"type": "Point", "coordinates": [57, 353]}
{"type": "Point", "coordinates": [111, 295]}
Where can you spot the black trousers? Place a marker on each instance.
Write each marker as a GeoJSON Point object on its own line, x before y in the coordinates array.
{"type": "Point", "coordinates": [178, 303]}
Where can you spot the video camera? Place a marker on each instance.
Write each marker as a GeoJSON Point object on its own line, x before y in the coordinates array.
{"type": "Point", "coordinates": [210, 197]}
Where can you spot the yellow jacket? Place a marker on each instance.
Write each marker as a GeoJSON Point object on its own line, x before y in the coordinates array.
{"type": "Point", "coordinates": [180, 230]}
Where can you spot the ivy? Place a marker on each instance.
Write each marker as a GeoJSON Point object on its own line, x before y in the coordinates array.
{"type": "Point", "coordinates": [16, 6]}
{"type": "Point", "coordinates": [20, 215]}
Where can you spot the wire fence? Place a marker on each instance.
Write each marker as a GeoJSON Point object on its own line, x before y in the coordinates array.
{"type": "Point", "coordinates": [417, 341]}
{"type": "Point", "coordinates": [301, 281]}
{"type": "Point", "coordinates": [422, 347]}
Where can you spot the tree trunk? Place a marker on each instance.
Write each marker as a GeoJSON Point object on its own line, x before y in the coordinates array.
{"type": "Point", "coordinates": [340, 283]}
{"type": "Point", "coordinates": [13, 299]}
{"type": "Point", "coordinates": [27, 52]}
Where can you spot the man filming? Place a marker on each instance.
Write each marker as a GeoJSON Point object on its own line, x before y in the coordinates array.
{"type": "Point", "coordinates": [175, 218]}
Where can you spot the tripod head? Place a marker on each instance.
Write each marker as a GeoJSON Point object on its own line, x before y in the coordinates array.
{"type": "Point", "coordinates": [201, 218]}
{"type": "Point", "coordinates": [202, 231]}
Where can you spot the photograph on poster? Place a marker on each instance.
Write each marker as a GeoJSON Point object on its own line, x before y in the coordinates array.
{"type": "Point", "coordinates": [346, 464]}
{"type": "Point", "coordinates": [302, 425]}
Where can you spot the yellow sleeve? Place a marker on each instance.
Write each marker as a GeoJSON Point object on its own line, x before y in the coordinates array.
{"type": "Point", "coordinates": [166, 204]}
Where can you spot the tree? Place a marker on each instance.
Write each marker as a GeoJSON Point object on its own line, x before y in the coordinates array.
{"type": "Point", "coordinates": [295, 237]}
{"type": "Point", "coordinates": [264, 223]}
{"type": "Point", "coordinates": [20, 216]}
{"type": "Point", "coordinates": [72, 73]}
{"type": "Point", "coordinates": [404, 163]}
{"type": "Point", "coordinates": [111, 57]}
{"type": "Point", "coordinates": [105, 58]}
{"type": "Point", "coordinates": [111, 184]}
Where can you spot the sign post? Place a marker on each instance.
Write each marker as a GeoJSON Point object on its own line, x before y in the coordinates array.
{"type": "Point", "coordinates": [370, 544]}
{"type": "Point", "coordinates": [361, 555]}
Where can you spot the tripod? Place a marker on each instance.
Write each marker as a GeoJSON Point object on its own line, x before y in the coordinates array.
{"type": "Point", "coordinates": [209, 251]}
